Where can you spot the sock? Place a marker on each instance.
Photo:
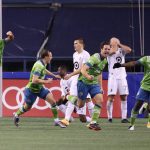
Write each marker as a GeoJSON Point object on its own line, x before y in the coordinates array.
{"type": "Point", "coordinates": [54, 111]}
{"type": "Point", "coordinates": [69, 110]}
{"type": "Point", "coordinates": [20, 111]}
{"type": "Point", "coordinates": [62, 108]}
{"type": "Point", "coordinates": [90, 106]}
{"type": "Point", "coordinates": [133, 117]}
{"type": "Point", "coordinates": [109, 109]}
{"type": "Point", "coordinates": [88, 119]}
{"type": "Point", "coordinates": [96, 113]}
{"type": "Point", "coordinates": [124, 109]}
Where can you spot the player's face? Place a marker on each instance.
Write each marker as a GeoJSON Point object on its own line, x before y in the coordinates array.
{"type": "Point", "coordinates": [105, 50]}
{"type": "Point", "coordinates": [62, 72]}
{"type": "Point", "coordinates": [77, 46]}
{"type": "Point", "coordinates": [49, 58]}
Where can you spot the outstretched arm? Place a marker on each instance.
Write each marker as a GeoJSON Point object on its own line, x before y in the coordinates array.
{"type": "Point", "coordinates": [128, 64]}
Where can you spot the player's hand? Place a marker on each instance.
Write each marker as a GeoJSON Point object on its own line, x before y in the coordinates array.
{"type": "Point", "coordinates": [10, 35]}
{"type": "Point", "coordinates": [90, 77]}
{"type": "Point", "coordinates": [49, 80]}
{"type": "Point", "coordinates": [68, 76]}
{"type": "Point", "coordinates": [116, 65]}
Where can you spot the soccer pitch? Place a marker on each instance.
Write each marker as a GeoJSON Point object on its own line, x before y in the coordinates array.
{"type": "Point", "coordinates": [40, 134]}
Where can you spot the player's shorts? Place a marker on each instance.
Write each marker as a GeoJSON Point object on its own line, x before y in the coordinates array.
{"type": "Point", "coordinates": [143, 95]}
{"type": "Point", "coordinates": [117, 85]}
{"type": "Point", "coordinates": [84, 89]}
{"type": "Point", "coordinates": [30, 97]}
{"type": "Point", "coordinates": [81, 111]}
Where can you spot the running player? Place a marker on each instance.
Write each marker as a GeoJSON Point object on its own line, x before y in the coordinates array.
{"type": "Point", "coordinates": [143, 94]}
{"type": "Point", "coordinates": [79, 58]}
{"type": "Point", "coordinates": [117, 78]}
{"type": "Point", "coordinates": [36, 89]}
{"type": "Point", "coordinates": [90, 81]}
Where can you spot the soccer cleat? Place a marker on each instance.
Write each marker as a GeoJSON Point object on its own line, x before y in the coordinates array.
{"type": "Point", "coordinates": [148, 125]}
{"type": "Point", "coordinates": [65, 122]}
{"type": "Point", "coordinates": [131, 128]}
{"type": "Point", "coordinates": [110, 120]}
{"type": "Point", "coordinates": [58, 123]}
{"type": "Point", "coordinates": [16, 119]}
{"type": "Point", "coordinates": [94, 126]}
{"type": "Point", "coordinates": [125, 121]}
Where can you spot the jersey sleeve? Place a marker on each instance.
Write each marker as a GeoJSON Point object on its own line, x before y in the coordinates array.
{"type": "Point", "coordinates": [37, 69]}
{"type": "Point", "coordinates": [142, 60]}
{"type": "Point", "coordinates": [94, 59]}
{"type": "Point", "coordinates": [86, 58]}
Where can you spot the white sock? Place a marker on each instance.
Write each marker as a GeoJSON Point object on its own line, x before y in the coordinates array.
{"type": "Point", "coordinates": [62, 108]}
{"type": "Point", "coordinates": [109, 109]}
{"type": "Point", "coordinates": [88, 119]}
{"type": "Point", "coordinates": [90, 106]}
{"type": "Point", "coordinates": [69, 110]}
{"type": "Point", "coordinates": [123, 109]}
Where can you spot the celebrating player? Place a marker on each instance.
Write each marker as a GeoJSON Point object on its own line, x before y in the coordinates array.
{"type": "Point", "coordinates": [143, 94]}
{"type": "Point", "coordinates": [36, 89]}
{"type": "Point", "coordinates": [9, 38]}
{"type": "Point", "coordinates": [90, 81]}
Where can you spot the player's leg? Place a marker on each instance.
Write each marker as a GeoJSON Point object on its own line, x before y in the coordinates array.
{"type": "Point", "coordinates": [90, 105]}
{"type": "Point", "coordinates": [143, 108]}
{"type": "Point", "coordinates": [29, 99]}
{"type": "Point", "coordinates": [112, 91]}
{"type": "Point", "coordinates": [141, 96]}
{"type": "Point", "coordinates": [95, 93]}
{"type": "Point", "coordinates": [72, 99]}
{"type": "Point", "coordinates": [148, 109]}
{"type": "Point", "coordinates": [123, 91]}
{"type": "Point", "coordinates": [46, 95]}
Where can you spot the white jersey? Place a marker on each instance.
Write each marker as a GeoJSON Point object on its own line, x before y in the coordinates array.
{"type": "Point", "coordinates": [65, 86]}
{"type": "Point", "coordinates": [79, 59]}
{"type": "Point", "coordinates": [118, 57]}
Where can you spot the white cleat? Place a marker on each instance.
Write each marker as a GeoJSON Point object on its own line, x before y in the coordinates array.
{"type": "Point", "coordinates": [131, 128]}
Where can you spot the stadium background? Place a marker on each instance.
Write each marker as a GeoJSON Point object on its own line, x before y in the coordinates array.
{"type": "Point", "coordinates": [94, 20]}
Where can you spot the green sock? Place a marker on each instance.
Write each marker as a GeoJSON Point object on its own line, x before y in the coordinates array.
{"type": "Point", "coordinates": [133, 117]}
{"type": "Point", "coordinates": [21, 111]}
{"type": "Point", "coordinates": [96, 113]}
{"type": "Point", "coordinates": [54, 111]}
{"type": "Point", "coordinates": [72, 99]}
{"type": "Point", "coordinates": [148, 117]}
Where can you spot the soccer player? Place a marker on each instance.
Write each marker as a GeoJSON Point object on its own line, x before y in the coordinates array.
{"type": "Point", "coordinates": [36, 89]}
{"type": "Point", "coordinates": [117, 78]}
{"type": "Point", "coordinates": [143, 94]}
{"type": "Point", "coordinates": [79, 58]}
{"type": "Point", "coordinates": [65, 89]}
{"type": "Point", "coordinates": [90, 81]}
{"type": "Point", "coordinates": [9, 38]}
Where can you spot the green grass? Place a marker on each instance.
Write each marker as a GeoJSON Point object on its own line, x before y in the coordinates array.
{"type": "Point", "coordinates": [40, 134]}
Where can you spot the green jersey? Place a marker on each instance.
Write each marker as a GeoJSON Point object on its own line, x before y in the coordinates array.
{"type": "Point", "coordinates": [2, 43]}
{"type": "Point", "coordinates": [145, 83]}
{"type": "Point", "coordinates": [38, 69]}
{"type": "Point", "coordinates": [96, 65]}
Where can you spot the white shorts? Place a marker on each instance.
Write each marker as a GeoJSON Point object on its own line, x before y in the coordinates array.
{"type": "Point", "coordinates": [117, 85]}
